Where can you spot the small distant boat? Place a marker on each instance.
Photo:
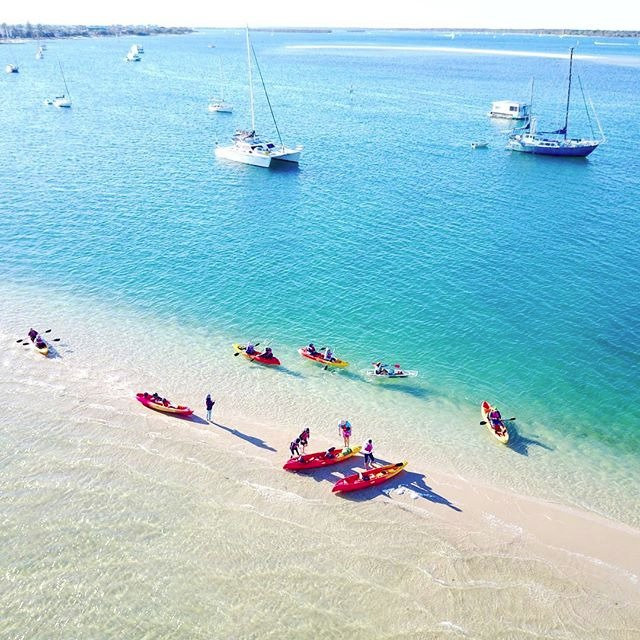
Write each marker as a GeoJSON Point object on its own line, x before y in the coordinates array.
{"type": "Point", "coordinates": [246, 146]}
{"type": "Point", "coordinates": [555, 143]}
{"type": "Point", "coordinates": [479, 145]}
{"type": "Point", "coordinates": [509, 110]}
{"type": "Point", "coordinates": [12, 68]}
{"type": "Point", "coordinates": [137, 48]}
{"type": "Point", "coordinates": [133, 55]}
{"type": "Point", "coordinates": [219, 105]}
{"type": "Point", "coordinates": [63, 101]}
{"type": "Point", "coordinates": [370, 478]}
{"type": "Point", "coordinates": [39, 53]}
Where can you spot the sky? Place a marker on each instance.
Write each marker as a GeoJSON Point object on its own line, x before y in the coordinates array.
{"type": "Point", "coordinates": [559, 14]}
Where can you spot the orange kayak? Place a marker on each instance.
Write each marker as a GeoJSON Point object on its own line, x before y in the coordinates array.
{"type": "Point", "coordinates": [370, 478]}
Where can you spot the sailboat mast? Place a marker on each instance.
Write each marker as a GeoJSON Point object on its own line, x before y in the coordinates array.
{"type": "Point", "coordinates": [63, 80]}
{"type": "Point", "coordinates": [566, 113]}
{"type": "Point", "coordinates": [222, 78]}
{"type": "Point", "coordinates": [253, 115]}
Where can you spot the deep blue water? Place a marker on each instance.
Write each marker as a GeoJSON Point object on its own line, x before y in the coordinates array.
{"type": "Point", "coordinates": [496, 274]}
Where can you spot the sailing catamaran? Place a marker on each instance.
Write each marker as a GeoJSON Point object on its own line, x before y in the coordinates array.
{"type": "Point", "coordinates": [246, 146]}
{"type": "Point", "coordinates": [555, 143]}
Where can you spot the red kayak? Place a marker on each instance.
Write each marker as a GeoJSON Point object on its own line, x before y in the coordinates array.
{"type": "Point", "coordinates": [148, 401]}
{"type": "Point", "coordinates": [370, 478]}
{"type": "Point", "coordinates": [257, 356]}
{"type": "Point", "coordinates": [319, 459]}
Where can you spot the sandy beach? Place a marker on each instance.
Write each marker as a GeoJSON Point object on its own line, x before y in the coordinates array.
{"type": "Point", "coordinates": [112, 511]}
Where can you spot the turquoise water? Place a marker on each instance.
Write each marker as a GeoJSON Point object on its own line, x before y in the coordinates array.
{"type": "Point", "coordinates": [496, 275]}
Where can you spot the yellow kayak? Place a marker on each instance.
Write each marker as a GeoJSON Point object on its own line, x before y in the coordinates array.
{"type": "Point", "coordinates": [317, 357]}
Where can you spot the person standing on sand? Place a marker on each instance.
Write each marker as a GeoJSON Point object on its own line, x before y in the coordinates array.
{"type": "Point", "coordinates": [368, 454]}
{"type": "Point", "coordinates": [293, 447]}
{"type": "Point", "coordinates": [209, 403]}
{"type": "Point", "coordinates": [304, 438]}
{"type": "Point", "coordinates": [344, 429]}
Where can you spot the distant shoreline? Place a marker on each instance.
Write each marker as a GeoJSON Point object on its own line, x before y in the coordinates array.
{"type": "Point", "coordinates": [27, 31]}
{"type": "Point", "coordinates": [599, 33]}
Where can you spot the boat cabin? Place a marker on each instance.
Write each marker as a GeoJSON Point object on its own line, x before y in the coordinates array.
{"type": "Point", "coordinates": [510, 110]}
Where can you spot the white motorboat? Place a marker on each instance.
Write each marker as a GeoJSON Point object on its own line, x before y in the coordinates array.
{"type": "Point", "coordinates": [11, 68]}
{"type": "Point", "coordinates": [220, 106]}
{"type": "Point", "coordinates": [249, 148]}
{"type": "Point", "coordinates": [132, 56]}
{"type": "Point", "coordinates": [510, 110]}
{"type": "Point", "coordinates": [39, 53]}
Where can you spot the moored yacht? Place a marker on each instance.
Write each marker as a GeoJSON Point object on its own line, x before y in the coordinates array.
{"type": "Point", "coordinates": [555, 143]}
{"type": "Point", "coordinates": [246, 146]}
{"type": "Point", "coordinates": [509, 110]}
{"type": "Point", "coordinates": [249, 148]}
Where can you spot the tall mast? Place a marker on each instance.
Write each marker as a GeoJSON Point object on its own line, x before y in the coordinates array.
{"type": "Point", "coordinates": [566, 114]}
{"type": "Point", "coordinates": [253, 115]}
{"type": "Point", "coordinates": [63, 80]}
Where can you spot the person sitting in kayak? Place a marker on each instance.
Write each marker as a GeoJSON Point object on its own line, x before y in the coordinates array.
{"type": "Point", "coordinates": [293, 447]}
{"type": "Point", "coordinates": [156, 397]}
{"type": "Point", "coordinates": [495, 418]}
{"type": "Point", "coordinates": [250, 349]}
{"type": "Point", "coordinates": [268, 353]}
{"type": "Point", "coordinates": [33, 334]}
{"type": "Point", "coordinates": [165, 402]}
{"type": "Point", "coordinates": [380, 369]}
{"type": "Point", "coordinates": [328, 355]}
{"type": "Point", "coordinates": [330, 453]}
{"type": "Point", "coordinates": [311, 350]}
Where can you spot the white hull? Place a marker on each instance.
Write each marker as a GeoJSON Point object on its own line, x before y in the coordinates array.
{"type": "Point", "coordinates": [258, 157]}
{"type": "Point", "coordinates": [231, 153]}
{"type": "Point", "coordinates": [221, 107]}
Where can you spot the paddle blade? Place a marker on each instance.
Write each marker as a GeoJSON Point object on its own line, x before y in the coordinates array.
{"type": "Point", "coordinates": [56, 340]}
{"type": "Point", "coordinates": [19, 340]}
{"type": "Point", "coordinates": [237, 353]}
{"type": "Point", "coordinates": [48, 331]}
{"type": "Point", "coordinates": [483, 422]}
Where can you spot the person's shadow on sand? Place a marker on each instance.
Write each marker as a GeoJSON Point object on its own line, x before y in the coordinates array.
{"type": "Point", "coordinates": [257, 442]}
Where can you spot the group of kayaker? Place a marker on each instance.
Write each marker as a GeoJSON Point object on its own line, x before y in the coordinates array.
{"type": "Point", "coordinates": [297, 446]}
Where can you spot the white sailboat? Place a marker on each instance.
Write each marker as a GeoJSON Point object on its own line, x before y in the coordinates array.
{"type": "Point", "coordinates": [246, 146]}
{"type": "Point", "coordinates": [63, 101]}
{"type": "Point", "coordinates": [220, 105]}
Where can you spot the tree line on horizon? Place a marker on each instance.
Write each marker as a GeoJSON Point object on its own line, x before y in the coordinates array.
{"type": "Point", "coordinates": [45, 31]}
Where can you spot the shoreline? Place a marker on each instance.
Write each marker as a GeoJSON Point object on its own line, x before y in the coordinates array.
{"type": "Point", "coordinates": [242, 453]}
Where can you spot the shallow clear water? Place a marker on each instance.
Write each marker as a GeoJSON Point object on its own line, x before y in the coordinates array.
{"type": "Point", "coordinates": [498, 276]}
{"type": "Point", "coordinates": [495, 274]}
